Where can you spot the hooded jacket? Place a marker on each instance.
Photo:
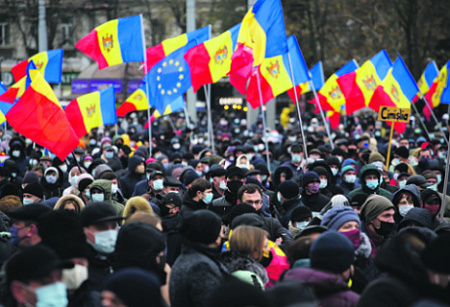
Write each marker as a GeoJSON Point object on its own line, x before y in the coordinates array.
{"type": "Point", "coordinates": [131, 178]}
{"type": "Point", "coordinates": [106, 186]}
{"type": "Point", "coordinates": [75, 198]}
{"type": "Point", "coordinates": [413, 190]}
{"type": "Point", "coordinates": [364, 189]}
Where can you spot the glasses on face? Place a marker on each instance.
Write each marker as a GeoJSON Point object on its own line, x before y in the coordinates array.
{"type": "Point", "coordinates": [253, 202]}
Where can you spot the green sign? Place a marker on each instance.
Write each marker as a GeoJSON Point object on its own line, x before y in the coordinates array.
{"type": "Point", "coordinates": [68, 76]}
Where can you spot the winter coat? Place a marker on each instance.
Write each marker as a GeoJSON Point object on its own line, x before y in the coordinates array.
{"type": "Point", "coordinates": [315, 202]}
{"type": "Point", "coordinates": [106, 186]}
{"type": "Point", "coordinates": [364, 189]}
{"type": "Point", "coordinates": [190, 205]}
{"type": "Point", "coordinates": [363, 259]}
{"type": "Point", "coordinates": [67, 197]}
{"type": "Point", "coordinates": [195, 274]}
{"type": "Point", "coordinates": [223, 205]}
{"type": "Point", "coordinates": [330, 289]}
{"type": "Point", "coordinates": [140, 188]}
{"type": "Point", "coordinates": [414, 191]}
{"type": "Point", "coordinates": [288, 207]}
{"type": "Point", "coordinates": [348, 187]}
{"type": "Point", "coordinates": [131, 178]}
{"type": "Point", "coordinates": [236, 261]}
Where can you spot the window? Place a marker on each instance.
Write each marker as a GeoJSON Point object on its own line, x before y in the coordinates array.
{"type": "Point", "coordinates": [66, 33]}
{"type": "Point", "coordinates": [4, 34]}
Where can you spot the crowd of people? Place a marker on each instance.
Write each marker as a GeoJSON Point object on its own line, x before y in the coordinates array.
{"type": "Point", "coordinates": [188, 221]}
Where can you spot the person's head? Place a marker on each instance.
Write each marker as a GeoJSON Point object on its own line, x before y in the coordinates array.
{"type": "Point", "coordinates": [296, 153]}
{"type": "Point", "coordinates": [235, 178]}
{"type": "Point", "coordinates": [134, 204]}
{"type": "Point", "coordinates": [100, 225]}
{"type": "Point", "coordinates": [33, 193]}
{"type": "Point", "coordinates": [250, 194]}
{"type": "Point", "coordinates": [97, 193]}
{"type": "Point", "coordinates": [156, 180]}
{"type": "Point", "coordinates": [111, 176]}
{"type": "Point", "coordinates": [249, 240]}
{"type": "Point", "coordinates": [405, 199]}
{"type": "Point", "coordinates": [74, 173]}
{"type": "Point", "coordinates": [378, 213]}
{"type": "Point", "coordinates": [171, 185]}
{"type": "Point", "coordinates": [34, 277]}
{"type": "Point", "coordinates": [201, 190]}
{"type": "Point", "coordinates": [170, 205]}
{"type": "Point", "coordinates": [419, 181]}
{"type": "Point", "coordinates": [370, 176]}
{"type": "Point", "coordinates": [416, 217]}
{"type": "Point", "coordinates": [70, 202]}
{"type": "Point", "coordinates": [217, 177]}
{"type": "Point", "coordinates": [202, 226]}
{"type": "Point", "coordinates": [84, 184]}
{"type": "Point", "coordinates": [431, 201]}
{"type": "Point", "coordinates": [287, 190]}
{"type": "Point", "coordinates": [311, 183]}
{"type": "Point", "coordinates": [435, 258]}
{"type": "Point", "coordinates": [301, 217]}
{"type": "Point", "coordinates": [344, 220]}
{"type": "Point", "coordinates": [348, 174]}
{"type": "Point", "coordinates": [51, 175]}
{"type": "Point", "coordinates": [425, 154]}
{"type": "Point", "coordinates": [332, 252]}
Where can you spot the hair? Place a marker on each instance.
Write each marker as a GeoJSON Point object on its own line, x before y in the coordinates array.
{"type": "Point", "coordinates": [108, 175]}
{"type": "Point", "coordinates": [199, 184]}
{"type": "Point", "coordinates": [247, 240]}
{"type": "Point", "coordinates": [299, 249]}
{"type": "Point", "coordinates": [249, 188]}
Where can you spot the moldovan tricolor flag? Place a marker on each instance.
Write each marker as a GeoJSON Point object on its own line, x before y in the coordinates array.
{"type": "Point", "coordinates": [300, 70]}
{"type": "Point", "coordinates": [174, 106]}
{"type": "Point", "coordinates": [137, 101]}
{"type": "Point", "coordinates": [330, 95]}
{"type": "Point", "coordinates": [166, 47]}
{"type": "Point", "coordinates": [358, 86]}
{"type": "Point", "coordinates": [211, 60]}
{"type": "Point", "coordinates": [440, 89]}
{"type": "Point", "coordinates": [92, 110]}
{"type": "Point", "coordinates": [263, 32]}
{"type": "Point", "coordinates": [115, 42]}
{"type": "Point", "coordinates": [38, 116]}
{"type": "Point", "coordinates": [273, 76]}
{"type": "Point", "coordinates": [48, 63]}
{"type": "Point", "coordinates": [2, 113]}
{"type": "Point", "coordinates": [397, 90]}
{"type": "Point", "coordinates": [429, 75]}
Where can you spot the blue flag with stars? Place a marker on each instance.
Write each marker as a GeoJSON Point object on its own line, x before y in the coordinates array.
{"type": "Point", "coordinates": [170, 78]}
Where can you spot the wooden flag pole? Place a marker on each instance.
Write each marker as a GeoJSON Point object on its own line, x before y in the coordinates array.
{"type": "Point", "coordinates": [434, 116]}
{"type": "Point", "coordinates": [266, 143]}
{"type": "Point", "coordinates": [390, 143]}
{"type": "Point", "coordinates": [300, 122]}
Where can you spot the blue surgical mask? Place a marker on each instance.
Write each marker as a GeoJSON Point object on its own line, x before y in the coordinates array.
{"type": "Point", "coordinates": [323, 184]}
{"type": "Point", "coordinates": [98, 197]}
{"type": "Point", "coordinates": [51, 179]}
{"type": "Point", "coordinates": [279, 198]}
{"type": "Point", "coordinates": [401, 184]}
{"type": "Point", "coordinates": [296, 158]}
{"type": "Point", "coordinates": [208, 198]}
{"type": "Point", "coordinates": [109, 155]}
{"type": "Point", "coordinates": [433, 187]}
{"type": "Point", "coordinates": [105, 241]}
{"type": "Point", "coordinates": [301, 225]}
{"type": "Point", "coordinates": [158, 184]}
{"type": "Point", "coordinates": [439, 179]}
{"type": "Point", "coordinates": [263, 177]}
{"type": "Point", "coordinates": [88, 194]}
{"type": "Point", "coordinates": [27, 201]}
{"type": "Point", "coordinates": [15, 239]}
{"type": "Point", "coordinates": [372, 184]}
{"type": "Point", "coordinates": [52, 295]}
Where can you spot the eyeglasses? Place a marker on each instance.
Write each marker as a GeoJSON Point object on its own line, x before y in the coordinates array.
{"type": "Point", "coordinates": [253, 202]}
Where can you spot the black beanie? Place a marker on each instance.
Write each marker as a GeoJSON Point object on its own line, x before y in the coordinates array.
{"type": "Point", "coordinates": [402, 151]}
{"type": "Point", "coordinates": [239, 210]}
{"type": "Point", "coordinates": [310, 177]}
{"type": "Point", "coordinates": [321, 171]}
{"type": "Point", "coordinates": [201, 226]}
{"type": "Point", "coordinates": [301, 213]}
{"type": "Point", "coordinates": [34, 189]}
{"type": "Point", "coordinates": [288, 189]}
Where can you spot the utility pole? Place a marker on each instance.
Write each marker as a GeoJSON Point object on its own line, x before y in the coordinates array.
{"type": "Point", "coordinates": [42, 27]}
{"type": "Point", "coordinates": [191, 98]}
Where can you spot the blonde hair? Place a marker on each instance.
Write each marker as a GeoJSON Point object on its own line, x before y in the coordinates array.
{"type": "Point", "coordinates": [248, 240]}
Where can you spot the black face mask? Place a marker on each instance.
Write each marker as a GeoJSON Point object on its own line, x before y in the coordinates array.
{"type": "Point", "coordinates": [385, 228]}
{"type": "Point", "coordinates": [234, 186]}
{"type": "Point", "coordinates": [365, 156]}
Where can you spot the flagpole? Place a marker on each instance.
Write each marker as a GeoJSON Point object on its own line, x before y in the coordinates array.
{"type": "Point", "coordinates": [188, 123]}
{"type": "Point", "coordinates": [298, 107]}
{"type": "Point", "coordinates": [264, 122]}
{"type": "Point", "coordinates": [321, 113]}
{"type": "Point", "coordinates": [146, 90]}
{"type": "Point", "coordinates": [434, 116]}
{"type": "Point", "coordinates": [418, 115]}
{"type": "Point", "coordinates": [208, 113]}
{"type": "Point", "coordinates": [444, 191]}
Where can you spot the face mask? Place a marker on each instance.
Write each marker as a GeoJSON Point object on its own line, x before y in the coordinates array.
{"type": "Point", "coordinates": [340, 159]}
{"type": "Point", "coordinates": [231, 159]}
{"type": "Point", "coordinates": [323, 184]}
{"type": "Point", "coordinates": [250, 157]}
{"type": "Point", "coordinates": [52, 295]}
{"type": "Point", "coordinates": [208, 198]}
{"type": "Point", "coordinates": [73, 278]}
{"type": "Point", "coordinates": [263, 177]}
{"type": "Point", "coordinates": [74, 179]}
{"type": "Point", "coordinates": [114, 188]}
{"type": "Point", "coordinates": [92, 142]}
{"type": "Point", "coordinates": [88, 194]}
{"type": "Point", "coordinates": [176, 146]}
{"type": "Point", "coordinates": [78, 159]}
{"type": "Point", "coordinates": [158, 184]}
{"type": "Point", "coordinates": [184, 163]}
{"type": "Point", "coordinates": [314, 188]}
{"type": "Point", "coordinates": [354, 236]}
{"type": "Point", "coordinates": [166, 165]}
{"type": "Point", "coordinates": [350, 178]}
{"type": "Point", "coordinates": [14, 175]}
{"type": "Point", "coordinates": [28, 201]}
{"type": "Point", "coordinates": [243, 166]}
{"type": "Point", "coordinates": [223, 185]}
{"type": "Point", "coordinates": [396, 175]}
{"type": "Point", "coordinates": [98, 197]}
{"type": "Point", "coordinates": [439, 179]}
{"type": "Point", "coordinates": [432, 209]}
{"type": "Point", "coordinates": [301, 225]}
{"type": "Point", "coordinates": [16, 153]}
{"type": "Point", "coordinates": [279, 198]}
{"type": "Point", "coordinates": [404, 209]}
{"type": "Point", "coordinates": [63, 168]}
{"type": "Point", "coordinates": [372, 184]}
{"type": "Point", "coordinates": [15, 239]}
{"type": "Point", "coordinates": [206, 167]}
{"type": "Point", "coordinates": [109, 155]}
{"type": "Point", "coordinates": [433, 187]}
{"type": "Point", "coordinates": [296, 158]}
{"type": "Point", "coordinates": [87, 164]}
{"type": "Point", "coordinates": [395, 162]}
{"type": "Point", "coordinates": [199, 173]}
{"type": "Point", "coordinates": [385, 228]}
{"type": "Point", "coordinates": [51, 179]}
{"type": "Point", "coordinates": [442, 155]}
{"type": "Point", "coordinates": [292, 138]}
{"type": "Point", "coordinates": [401, 184]}
{"type": "Point", "coordinates": [334, 171]}
{"type": "Point", "coordinates": [105, 241]}
{"type": "Point", "coordinates": [33, 162]}
{"type": "Point", "coordinates": [234, 185]}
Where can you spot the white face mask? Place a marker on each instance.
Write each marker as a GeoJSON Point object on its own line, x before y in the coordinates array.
{"type": "Point", "coordinates": [323, 184]}
{"type": "Point", "coordinates": [63, 168]}
{"type": "Point", "coordinates": [51, 179]}
{"type": "Point", "coordinates": [404, 209]}
{"type": "Point", "coordinates": [16, 153]}
{"type": "Point", "coordinates": [98, 197]}
{"type": "Point", "coordinates": [87, 164]}
{"type": "Point", "coordinates": [176, 146]}
{"type": "Point", "coordinates": [28, 201]}
{"type": "Point", "coordinates": [73, 278]}
{"type": "Point", "coordinates": [401, 184]}
{"type": "Point", "coordinates": [334, 171]}
{"type": "Point", "coordinates": [301, 225]}
{"type": "Point", "coordinates": [114, 188]}
{"type": "Point", "coordinates": [105, 241]}
{"type": "Point", "coordinates": [223, 185]}
{"type": "Point", "coordinates": [396, 175]}
{"type": "Point", "coordinates": [350, 178]}
{"type": "Point", "coordinates": [158, 184]}
{"type": "Point", "coordinates": [74, 180]}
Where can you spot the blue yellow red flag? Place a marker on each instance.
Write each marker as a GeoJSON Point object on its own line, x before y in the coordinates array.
{"type": "Point", "coordinates": [426, 79]}
{"type": "Point", "coordinates": [48, 63]}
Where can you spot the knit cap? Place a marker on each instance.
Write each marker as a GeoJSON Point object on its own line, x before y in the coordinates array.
{"type": "Point", "coordinates": [417, 215]}
{"type": "Point", "coordinates": [310, 177]}
{"type": "Point", "coordinates": [300, 214]}
{"type": "Point", "coordinates": [376, 156]}
{"type": "Point", "coordinates": [202, 226]}
{"type": "Point", "coordinates": [34, 189]}
{"type": "Point", "coordinates": [374, 206]}
{"type": "Point", "coordinates": [289, 189]}
{"type": "Point", "coordinates": [338, 216]}
{"type": "Point", "coordinates": [332, 252]}
{"type": "Point", "coordinates": [346, 169]}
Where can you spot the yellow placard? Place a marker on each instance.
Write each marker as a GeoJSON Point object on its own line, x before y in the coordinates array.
{"type": "Point", "coordinates": [393, 114]}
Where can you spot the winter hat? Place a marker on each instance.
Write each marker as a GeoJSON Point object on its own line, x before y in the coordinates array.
{"type": "Point", "coordinates": [34, 189]}
{"type": "Point", "coordinates": [436, 255]}
{"type": "Point", "coordinates": [240, 210]}
{"type": "Point", "coordinates": [249, 219]}
{"type": "Point", "coordinates": [289, 189]}
{"type": "Point", "coordinates": [338, 216]}
{"type": "Point", "coordinates": [216, 171]}
{"type": "Point", "coordinates": [193, 163]}
{"type": "Point", "coordinates": [189, 177]}
{"type": "Point", "coordinates": [177, 172]}
{"type": "Point", "coordinates": [83, 181]}
{"type": "Point", "coordinates": [373, 206]}
{"type": "Point", "coordinates": [29, 213]}
{"type": "Point", "coordinates": [99, 170]}
{"type": "Point", "coordinates": [134, 204]}
{"type": "Point", "coordinates": [97, 213]}
{"type": "Point", "coordinates": [419, 181]}
{"type": "Point", "coordinates": [135, 287]}
{"type": "Point", "coordinates": [301, 213]}
{"type": "Point", "coordinates": [234, 171]}
{"type": "Point", "coordinates": [51, 169]}
{"type": "Point", "coordinates": [202, 226]}
{"type": "Point", "coordinates": [429, 174]}
{"type": "Point", "coordinates": [346, 169]}
{"type": "Point", "coordinates": [417, 215]}
{"type": "Point", "coordinates": [310, 177]}
{"type": "Point", "coordinates": [254, 181]}
{"type": "Point", "coordinates": [402, 151]}
{"type": "Point", "coordinates": [333, 161]}
{"type": "Point", "coordinates": [375, 156]}
{"type": "Point", "coordinates": [30, 177]}
{"type": "Point", "coordinates": [321, 171]}
{"type": "Point", "coordinates": [332, 252]}
{"type": "Point", "coordinates": [401, 167]}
